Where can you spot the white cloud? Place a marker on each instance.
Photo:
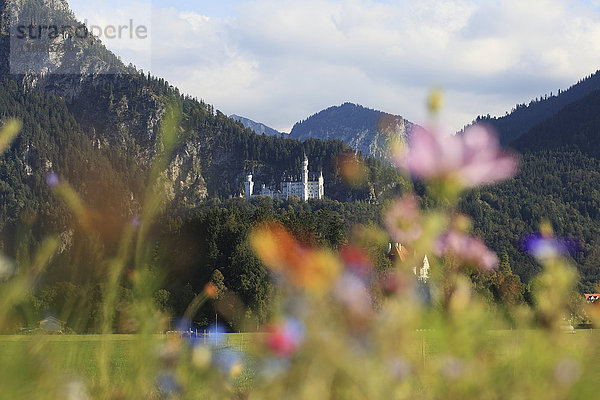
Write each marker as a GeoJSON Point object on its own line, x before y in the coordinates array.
{"type": "Point", "coordinates": [278, 61]}
{"type": "Point", "coordinates": [124, 26]}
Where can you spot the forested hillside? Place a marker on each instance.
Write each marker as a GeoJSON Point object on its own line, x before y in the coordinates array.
{"type": "Point", "coordinates": [559, 186]}
{"type": "Point", "coordinates": [576, 127]}
{"type": "Point", "coordinates": [523, 116]}
{"type": "Point", "coordinates": [101, 132]}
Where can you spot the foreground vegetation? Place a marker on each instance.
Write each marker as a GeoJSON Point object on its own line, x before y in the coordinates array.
{"type": "Point", "coordinates": [340, 323]}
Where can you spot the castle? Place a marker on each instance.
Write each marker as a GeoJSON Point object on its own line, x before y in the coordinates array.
{"type": "Point", "coordinates": [303, 188]}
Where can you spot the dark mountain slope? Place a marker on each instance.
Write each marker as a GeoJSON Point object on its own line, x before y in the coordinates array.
{"type": "Point", "coordinates": [577, 127]}
{"type": "Point", "coordinates": [559, 182]}
{"type": "Point", "coordinates": [525, 116]}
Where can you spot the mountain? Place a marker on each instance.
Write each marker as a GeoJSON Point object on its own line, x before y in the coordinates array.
{"type": "Point", "coordinates": [523, 117]}
{"type": "Point", "coordinates": [116, 111]}
{"type": "Point", "coordinates": [574, 128]}
{"type": "Point", "coordinates": [95, 122]}
{"type": "Point", "coordinates": [365, 130]}
{"type": "Point", "coordinates": [558, 182]}
{"type": "Point", "coordinates": [255, 126]}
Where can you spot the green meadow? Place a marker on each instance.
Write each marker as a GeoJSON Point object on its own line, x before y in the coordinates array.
{"type": "Point", "coordinates": [78, 354]}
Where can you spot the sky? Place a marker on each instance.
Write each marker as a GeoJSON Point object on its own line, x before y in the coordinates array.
{"type": "Point", "coordinates": [280, 61]}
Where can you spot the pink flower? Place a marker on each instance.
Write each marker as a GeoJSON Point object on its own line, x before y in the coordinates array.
{"type": "Point", "coordinates": [403, 220]}
{"type": "Point", "coordinates": [471, 159]}
{"type": "Point", "coordinates": [467, 249]}
{"type": "Point", "coordinates": [284, 339]}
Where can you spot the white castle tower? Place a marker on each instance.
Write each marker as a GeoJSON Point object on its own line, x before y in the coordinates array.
{"type": "Point", "coordinates": [248, 186]}
{"type": "Point", "coordinates": [303, 188]}
{"type": "Point", "coordinates": [321, 186]}
{"type": "Point", "coordinates": [305, 178]}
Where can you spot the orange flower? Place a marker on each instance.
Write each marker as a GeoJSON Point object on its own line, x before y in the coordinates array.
{"type": "Point", "coordinates": [211, 290]}
{"type": "Point", "coordinates": [304, 267]}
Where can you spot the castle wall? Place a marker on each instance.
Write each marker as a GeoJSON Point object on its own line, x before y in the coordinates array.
{"type": "Point", "coordinates": [304, 189]}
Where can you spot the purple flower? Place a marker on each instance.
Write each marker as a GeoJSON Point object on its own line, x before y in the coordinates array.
{"type": "Point", "coordinates": [545, 247]}
{"type": "Point", "coordinates": [52, 179]}
{"type": "Point", "coordinates": [136, 221]}
{"type": "Point", "coordinates": [351, 291]}
{"type": "Point", "coordinates": [400, 368]}
{"type": "Point", "coordinates": [470, 159]}
{"type": "Point", "coordinates": [403, 220]}
{"type": "Point", "coordinates": [467, 249]}
{"type": "Point", "coordinates": [452, 368]}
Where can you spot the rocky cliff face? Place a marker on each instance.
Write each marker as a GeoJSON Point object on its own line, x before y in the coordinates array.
{"type": "Point", "coordinates": [368, 131]}
{"type": "Point", "coordinates": [119, 108]}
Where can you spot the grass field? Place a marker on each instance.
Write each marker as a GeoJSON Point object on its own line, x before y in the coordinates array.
{"type": "Point", "coordinates": [22, 356]}
{"type": "Point", "coordinates": [78, 353]}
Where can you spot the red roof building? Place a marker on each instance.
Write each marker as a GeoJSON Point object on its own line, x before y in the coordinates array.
{"type": "Point", "coordinates": [592, 298]}
{"type": "Point", "coordinates": [398, 252]}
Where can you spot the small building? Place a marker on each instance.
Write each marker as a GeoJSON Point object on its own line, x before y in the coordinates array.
{"type": "Point", "coordinates": [52, 325]}
{"type": "Point", "coordinates": [592, 298]}
{"type": "Point", "coordinates": [397, 251]}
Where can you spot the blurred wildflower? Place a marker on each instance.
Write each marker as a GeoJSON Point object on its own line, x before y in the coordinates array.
{"type": "Point", "coordinates": [392, 282]}
{"type": "Point", "coordinates": [304, 267]}
{"type": "Point", "coordinates": [28, 216]}
{"type": "Point", "coordinates": [168, 386]}
{"type": "Point", "coordinates": [7, 267]}
{"type": "Point", "coordinates": [8, 132]}
{"type": "Point", "coordinates": [544, 248]}
{"type": "Point", "coordinates": [567, 371]}
{"type": "Point", "coordinates": [136, 221]}
{"type": "Point", "coordinates": [351, 291]}
{"type": "Point", "coordinates": [285, 338]}
{"type": "Point", "coordinates": [352, 168]}
{"type": "Point", "coordinates": [236, 370]}
{"type": "Point", "coordinates": [229, 362]}
{"type": "Point", "coordinates": [403, 220]}
{"type": "Point", "coordinates": [211, 290]}
{"type": "Point", "coordinates": [169, 353]}
{"type": "Point", "coordinates": [356, 261]}
{"type": "Point", "coordinates": [201, 356]}
{"type": "Point", "coordinates": [400, 368]}
{"type": "Point", "coordinates": [435, 101]}
{"type": "Point", "coordinates": [467, 160]}
{"type": "Point", "coordinates": [452, 368]}
{"type": "Point", "coordinates": [273, 368]}
{"type": "Point", "coordinates": [76, 389]}
{"type": "Point", "coordinates": [52, 179]}
{"type": "Point", "coordinates": [467, 249]}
